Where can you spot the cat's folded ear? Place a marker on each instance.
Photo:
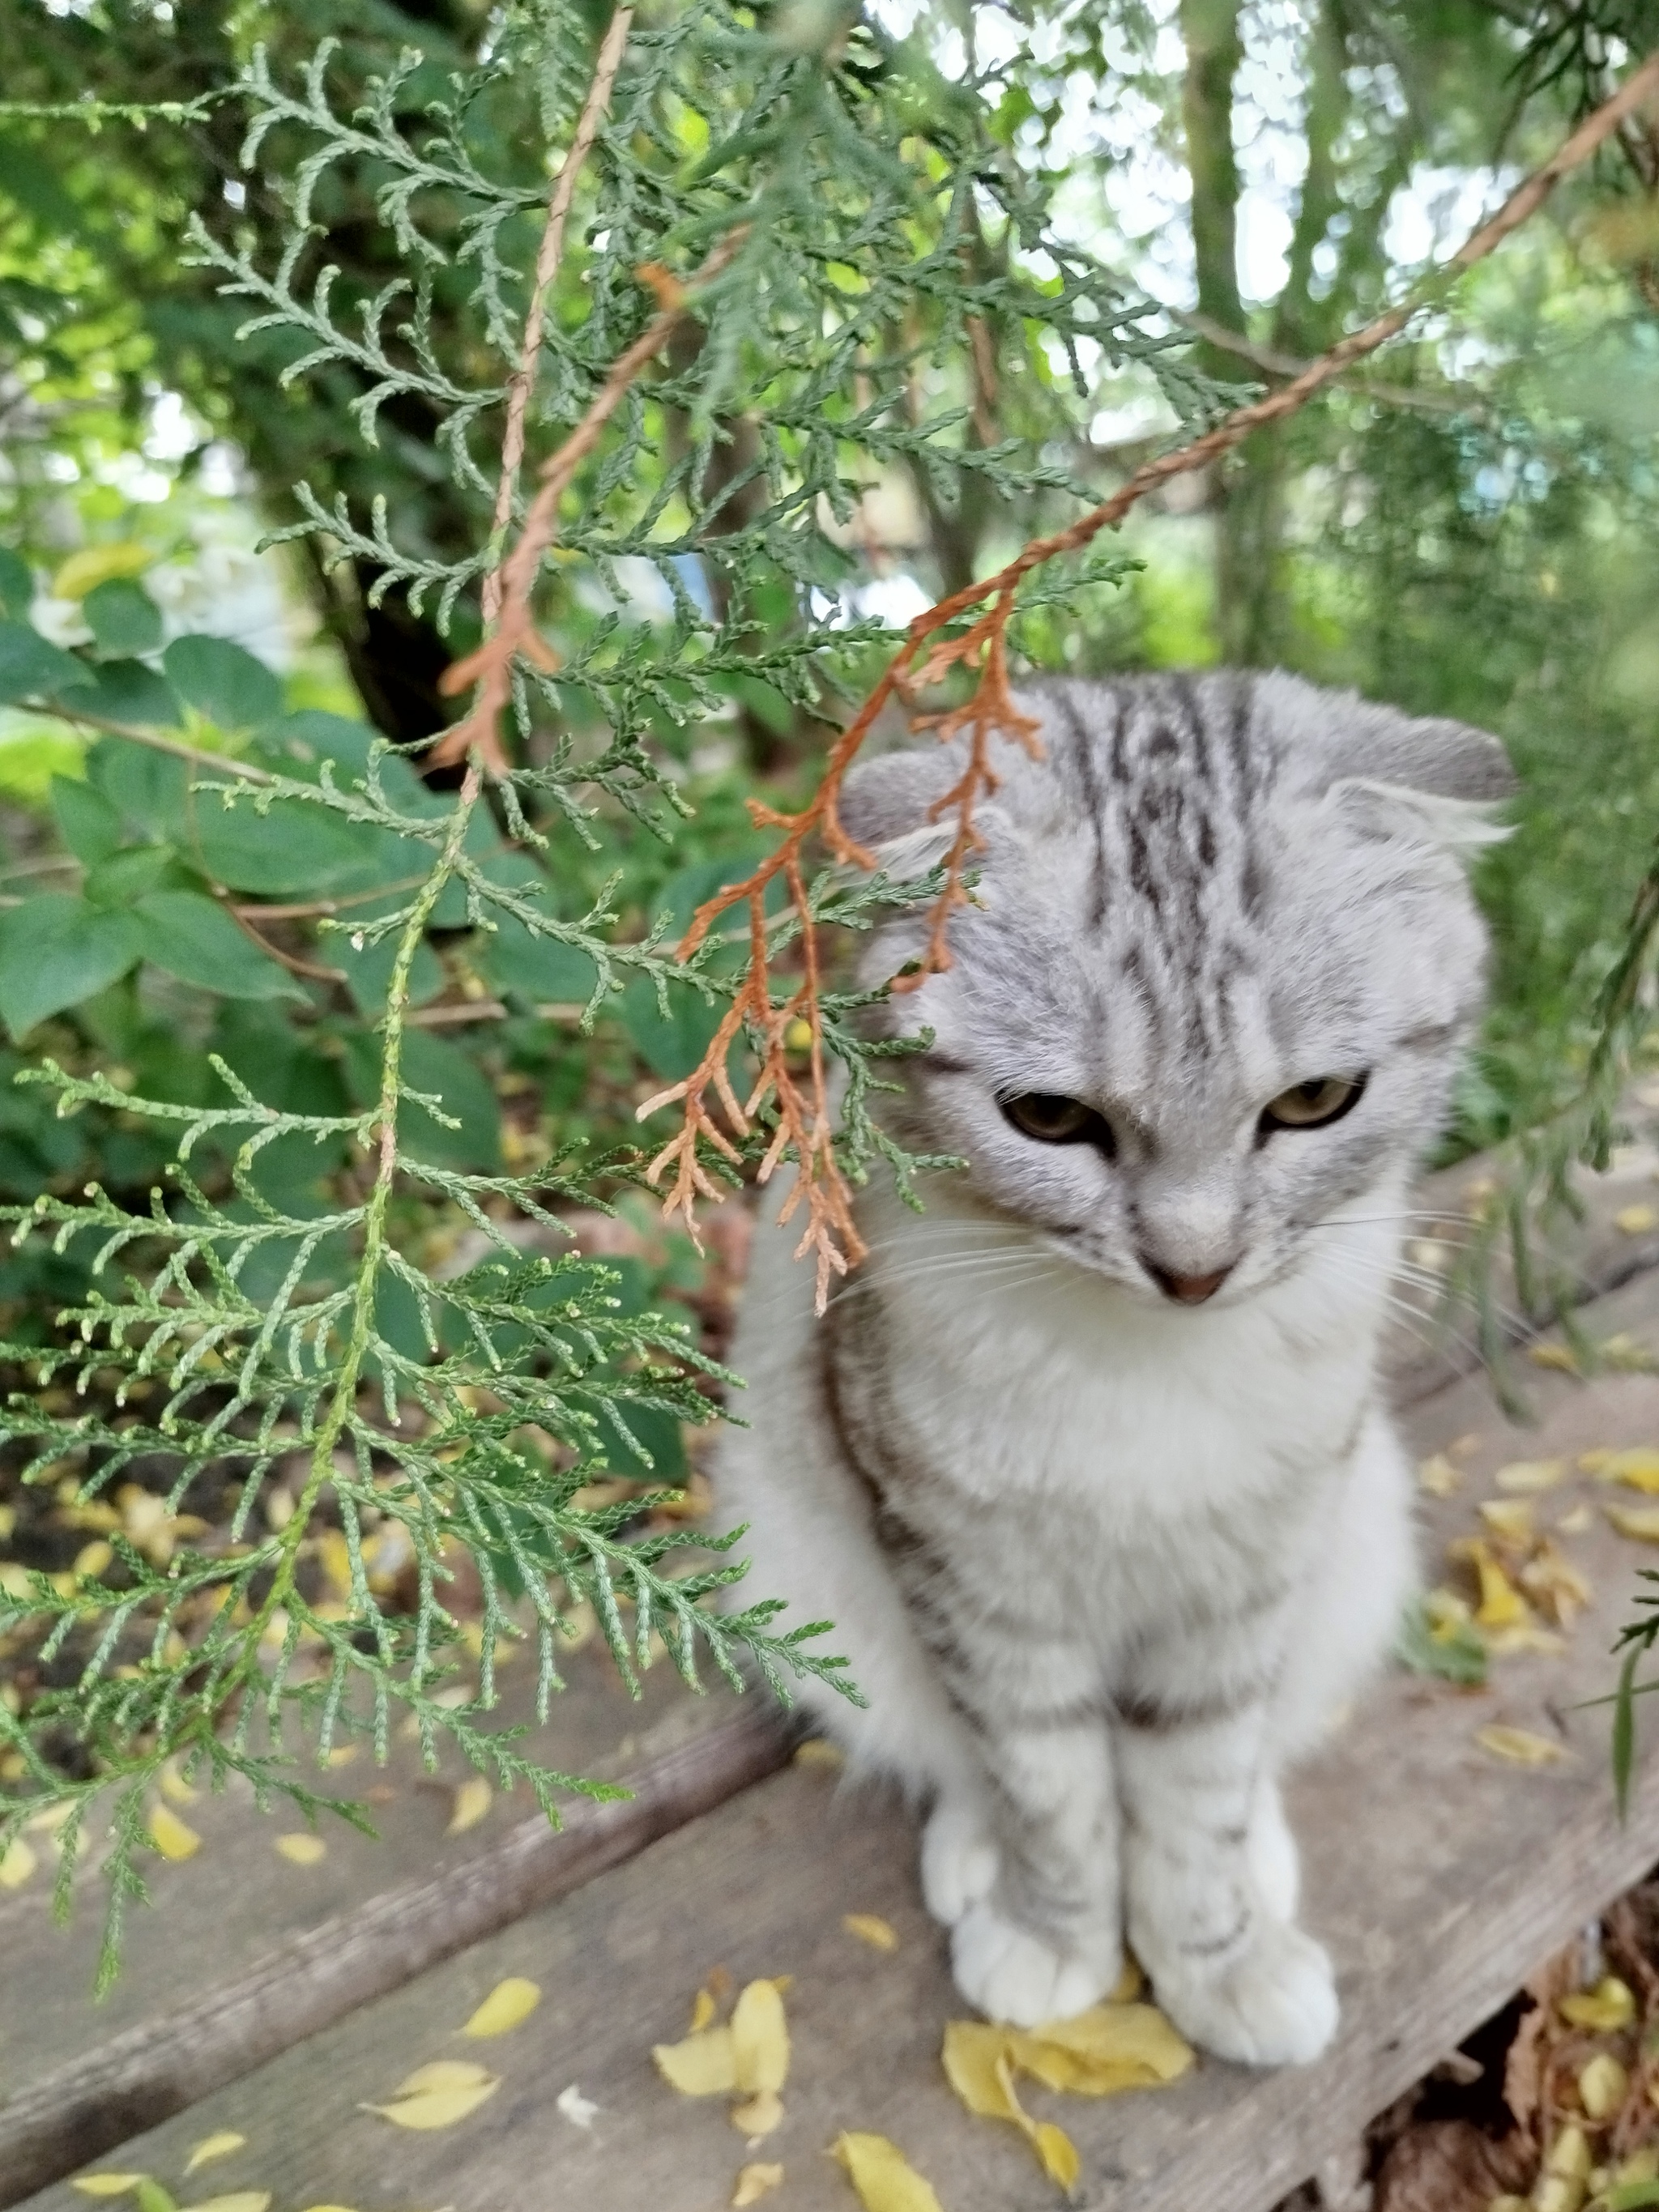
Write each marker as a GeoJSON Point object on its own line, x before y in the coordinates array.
{"type": "Point", "coordinates": [887, 805]}
{"type": "Point", "coordinates": [1426, 775]}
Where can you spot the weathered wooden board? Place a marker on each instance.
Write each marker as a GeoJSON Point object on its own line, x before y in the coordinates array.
{"type": "Point", "coordinates": [1439, 1875]}
{"type": "Point", "coordinates": [247, 1952]}
{"type": "Point", "coordinates": [1608, 1247]}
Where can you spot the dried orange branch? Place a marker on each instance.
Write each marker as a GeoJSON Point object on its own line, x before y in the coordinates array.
{"type": "Point", "coordinates": [803, 1122]}
{"type": "Point", "coordinates": [490, 667]}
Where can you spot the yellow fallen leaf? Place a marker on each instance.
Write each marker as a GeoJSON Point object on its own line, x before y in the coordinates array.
{"type": "Point", "coordinates": [1437, 1476]}
{"type": "Point", "coordinates": [1108, 2048]}
{"type": "Point", "coordinates": [470, 1803]}
{"type": "Point", "coordinates": [703, 2065]}
{"type": "Point", "coordinates": [17, 1863]}
{"type": "Point", "coordinates": [1561, 1357]}
{"type": "Point", "coordinates": [759, 2115]}
{"type": "Point", "coordinates": [1057, 2154]}
{"type": "Point", "coordinates": [1595, 1461]}
{"type": "Point", "coordinates": [1554, 1584]}
{"type": "Point", "coordinates": [1601, 2086]}
{"type": "Point", "coordinates": [340, 1754]}
{"type": "Point", "coordinates": [1638, 1468]}
{"type": "Point", "coordinates": [239, 2200]}
{"type": "Point", "coordinates": [211, 2146]}
{"type": "Point", "coordinates": [1525, 1636]}
{"type": "Point", "coordinates": [1641, 1522]}
{"type": "Point", "coordinates": [883, 2178]}
{"type": "Point", "coordinates": [1502, 1605]}
{"type": "Point", "coordinates": [1636, 1220]}
{"type": "Point", "coordinates": [1519, 1746]}
{"type": "Point", "coordinates": [1510, 1519]}
{"type": "Point", "coordinates": [303, 1849]}
{"type": "Point", "coordinates": [106, 2184]}
{"type": "Point", "coordinates": [972, 2050]}
{"type": "Point", "coordinates": [169, 1834]}
{"type": "Point", "coordinates": [436, 2108]}
{"type": "Point", "coordinates": [1609, 2006]}
{"type": "Point", "coordinates": [443, 2074]}
{"type": "Point", "coordinates": [870, 1927]}
{"type": "Point", "coordinates": [1576, 1522]}
{"type": "Point", "coordinates": [509, 2005]}
{"type": "Point", "coordinates": [753, 2183]}
{"type": "Point", "coordinates": [703, 2010]}
{"type": "Point", "coordinates": [1527, 1475]}
{"type": "Point", "coordinates": [819, 1751]}
{"type": "Point", "coordinates": [760, 2037]}
{"type": "Point", "coordinates": [173, 1786]}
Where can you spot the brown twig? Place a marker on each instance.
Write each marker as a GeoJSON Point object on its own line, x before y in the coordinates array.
{"type": "Point", "coordinates": [491, 666]}
{"type": "Point", "coordinates": [548, 257]}
{"type": "Point", "coordinates": [805, 1123]}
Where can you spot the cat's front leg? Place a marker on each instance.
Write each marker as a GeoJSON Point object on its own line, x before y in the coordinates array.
{"type": "Point", "coordinates": [1042, 1940]}
{"type": "Point", "coordinates": [1228, 1965]}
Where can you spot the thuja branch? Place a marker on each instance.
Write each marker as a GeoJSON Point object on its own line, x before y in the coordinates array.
{"type": "Point", "coordinates": [931, 647]}
{"type": "Point", "coordinates": [548, 257]}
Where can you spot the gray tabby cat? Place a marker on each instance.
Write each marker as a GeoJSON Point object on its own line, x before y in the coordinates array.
{"type": "Point", "coordinates": [1087, 1464]}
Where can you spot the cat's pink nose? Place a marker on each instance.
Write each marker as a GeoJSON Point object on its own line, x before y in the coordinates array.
{"type": "Point", "coordinates": [1188, 1290]}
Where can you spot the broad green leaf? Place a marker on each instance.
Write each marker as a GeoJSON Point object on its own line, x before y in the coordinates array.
{"type": "Point", "coordinates": [56, 951]}
{"type": "Point", "coordinates": [539, 968]}
{"type": "Point", "coordinates": [123, 618]}
{"type": "Point", "coordinates": [29, 761]}
{"type": "Point", "coordinates": [673, 1045]}
{"type": "Point", "coordinates": [196, 940]}
{"type": "Point", "coordinates": [150, 788]}
{"type": "Point", "coordinates": [437, 1067]}
{"type": "Point", "coordinates": [88, 824]}
{"type": "Point", "coordinates": [294, 849]}
{"type": "Point", "coordinates": [16, 583]}
{"type": "Point", "coordinates": [131, 875]}
{"type": "Point", "coordinates": [127, 691]}
{"type": "Point", "coordinates": [223, 680]}
{"type": "Point", "coordinates": [32, 669]}
{"type": "Point", "coordinates": [300, 742]}
{"type": "Point", "coordinates": [1458, 1657]}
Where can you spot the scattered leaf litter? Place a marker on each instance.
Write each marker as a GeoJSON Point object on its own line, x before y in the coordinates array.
{"type": "Point", "coordinates": [883, 2178]}
{"type": "Point", "coordinates": [753, 2183]}
{"type": "Point", "coordinates": [301, 1848]}
{"type": "Point", "coordinates": [870, 1927]}
{"type": "Point", "coordinates": [438, 2095]}
{"type": "Point", "coordinates": [212, 2147]}
{"type": "Point", "coordinates": [509, 2005]}
{"type": "Point", "coordinates": [1521, 1746]}
{"type": "Point", "coordinates": [170, 1835]}
{"type": "Point", "coordinates": [470, 1805]}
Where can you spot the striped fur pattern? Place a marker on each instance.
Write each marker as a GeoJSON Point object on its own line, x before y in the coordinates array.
{"type": "Point", "coordinates": [1105, 1559]}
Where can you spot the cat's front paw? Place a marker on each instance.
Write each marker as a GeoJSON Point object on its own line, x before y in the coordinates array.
{"type": "Point", "coordinates": [1012, 1975]}
{"type": "Point", "coordinates": [1273, 2005]}
{"type": "Point", "coordinates": [959, 1860]}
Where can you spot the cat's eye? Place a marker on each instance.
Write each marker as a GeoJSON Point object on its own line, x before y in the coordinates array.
{"type": "Point", "coordinates": [1053, 1119]}
{"type": "Point", "coordinates": [1312, 1105]}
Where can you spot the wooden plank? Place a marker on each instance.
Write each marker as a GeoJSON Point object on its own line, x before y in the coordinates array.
{"type": "Point", "coordinates": [248, 1954]}
{"type": "Point", "coordinates": [1438, 1876]}
{"type": "Point", "coordinates": [1588, 1258]}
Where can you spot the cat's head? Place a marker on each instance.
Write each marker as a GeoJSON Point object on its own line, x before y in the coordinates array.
{"type": "Point", "coordinates": [1221, 962]}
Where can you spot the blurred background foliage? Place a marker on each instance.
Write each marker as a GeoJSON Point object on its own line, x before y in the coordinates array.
{"type": "Point", "coordinates": [1468, 527]}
